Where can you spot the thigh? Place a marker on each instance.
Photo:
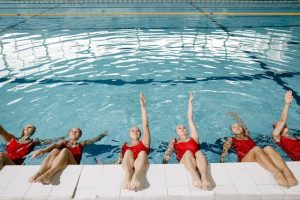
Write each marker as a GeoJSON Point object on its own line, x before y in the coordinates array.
{"type": "Point", "coordinates": [250, 156]}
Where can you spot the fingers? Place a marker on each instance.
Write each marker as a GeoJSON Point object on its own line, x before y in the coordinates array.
{"type": "Point", "coordinates": [191, 95]}
{"type": "Point", "coordinates": [142, 99]}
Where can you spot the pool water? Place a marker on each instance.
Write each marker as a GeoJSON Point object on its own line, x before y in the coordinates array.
{"type": "Point", "coordinates": [83, 69]}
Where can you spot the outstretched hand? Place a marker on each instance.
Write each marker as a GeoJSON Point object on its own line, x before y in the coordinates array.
{"type": "Point", "coordinates": [105, 133]}
{"type": "Point", "coordinates": [191, 96]}
{"type": "Point", "coordinates": [142, 100]}
{"type": "Point", "coordinates": [37, 153]}
{"type": "Point", "coordinates": [288, 97]}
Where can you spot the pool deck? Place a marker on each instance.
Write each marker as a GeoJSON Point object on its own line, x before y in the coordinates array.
{"type": "Point", "coordinates": [171, 181]}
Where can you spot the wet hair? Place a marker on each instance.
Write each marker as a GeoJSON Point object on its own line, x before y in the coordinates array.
{"type": "Point", "coordinates": [230, 127]}
{"type": "Point", "coordinates": [23, 130]}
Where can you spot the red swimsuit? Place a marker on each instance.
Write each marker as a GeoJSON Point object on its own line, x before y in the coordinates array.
{"type": "Point", "coordinates": [242, 147]}
{"type": "Point", "coordinates": [76, 151]}
{"type": "Point", "coordinates": [182, 147]}
{"type": "Point", "coordinates": [135, 149]}
{"type": "Point", "coordinates": [16, 151]}
{"type": "Point", "coordinates": [291, 147]}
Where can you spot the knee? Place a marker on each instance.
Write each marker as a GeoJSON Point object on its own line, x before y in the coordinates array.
{"type": "Point", "coordinates": [54, 152]}
{"type": "Point", "coordinates": [257, 149]}
{"type": "Point", "coordinates": [188, 154]}
{"type": "Point", "coordinates": [268, 149]}
{"type": "Point", "coordinates": [143, 154]}
{"type": "Point", "coordinates": [65, 151]}
{"type": "Point", "coordinates": [128, 154]}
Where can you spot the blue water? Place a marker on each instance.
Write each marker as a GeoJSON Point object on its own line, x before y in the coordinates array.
{"type": "Point", "coordinates": [59, 72]}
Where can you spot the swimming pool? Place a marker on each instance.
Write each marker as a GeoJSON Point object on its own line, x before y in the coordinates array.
{"type": "Point", "coordinates": [85, 65]}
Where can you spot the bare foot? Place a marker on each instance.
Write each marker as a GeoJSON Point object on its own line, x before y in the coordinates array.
{"type": "Point", "coordinates": [34, 177]}
{"type": "Point", "coordinates": [197, 183]}
{"type": "Point", "coordinates": [44, 178]}
{"type": "Point", "coordinates": [206, 184]}
{"type": "Point", "coordinates": [280, 179]}
{"type": "Point", "coordinates": [127, 180]}
{"type": "Point", "coordinates": [290, 178]}
{"type": "Point", "coordinates": [135, 182]}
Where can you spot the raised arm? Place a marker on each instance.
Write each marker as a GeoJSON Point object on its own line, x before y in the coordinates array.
{"type": "Point", "coordinates": [168, 152]}
{"type": "Point", "coordinates": [42, 142]}
{"type": "Point", "coordinates": [40, 152]}
{"type": "Point", "coordinates": [94, 139]}
{"type": "Point", "coordinates": [227, 145]}
{"type": "Point", "coordinates": [192, 126]}
{"type": "Point", "coordinates": [145, 125]}
{"type": "Point", "coordinates": [239, 120]}
{"type": "Point", "coordinates": [5, 135]}
{"type": "Point", "coordinates": [284, 114]}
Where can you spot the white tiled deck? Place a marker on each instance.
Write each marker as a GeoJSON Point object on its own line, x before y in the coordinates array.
{"type": "Point", "coordinates": [172, 181]}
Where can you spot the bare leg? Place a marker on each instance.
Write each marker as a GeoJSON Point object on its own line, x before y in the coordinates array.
{"type": "Point", "coordinates": [46, 164]}
{"type": "Point", "coordinates": [190, 164]}
{"type": "Point", "coordinates": [202, 166]}
{"type": "Point", "coordinates": [127, 165]}
{"type": "Point", "coordinates": [63, 159]}
{"type": "Point", "coordinates": [280, 164]}
{"type": "Point", "coordinates": [256, 154]}
{"type": "Point", "coordinates": [140, 166]}
{"type": "Point", "coordinates": [4, 160]}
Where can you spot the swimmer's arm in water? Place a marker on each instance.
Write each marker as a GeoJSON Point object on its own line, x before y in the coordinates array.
{"type": "Point", "coordinates": [40, 152]}
{"type": "Point", "coordinates": [42, 142]}
{"type": "Point", "coordinates": [239, 120]}
{"type": "Point", "coordinates": [94, 139]}
{"type": "Point", "coordinates": [119, 161]}
{"type": "Point", "coordinates": [192, 126]}
{"type": "Point", "coordinates": [145, 126]}
{"type": "Point", "coordinates": [6, 135]}
{"type": "Point", "coordinates": [168, 152]}
{"type": "Point", "coordinates": [288, 98]}
{"type": "Point", "coordinates": [227, 145]}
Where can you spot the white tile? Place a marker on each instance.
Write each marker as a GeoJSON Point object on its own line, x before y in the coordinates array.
{"type": "Point", "coordinates": [175, 175]}
{"type": "Point", "coordinates": [179, 191]}
{"type": "Point", "coordinates": [225, 190]}
{"type": "Point", "coordinates": [295, 168]}
{"type": "Point", "coordinates": [235, 166]}
{"type": "Point", "coordinates": [244, 183]}
{"type": "Point", "coordinates": [260, 175]}
{"type": "Point", "coordinates": [295, 190]}
{"type": "Point", "coordinates": [38, 191]}
{"type": "Point", "coordinates": [127, 194]}
{"type": "Point", "coordinates": [201, 194]}
{"type": "Point", "coordinates": [67, 182]}
{"type": "Point", "coordinates": [110, 184]}
{"type": "Point", "coordinates": [7, 174]}
{"type": "Point", "coordinates": [90, 176]}
{"type": "Point", "coordinates": [272, 192]}
{"type": "Point", "coordinates": [196, 192]}
{"type": "Point", "coordinates": [157, 182]}
{"type": "Point", "coordinates": [21, 182]}
{"type": "Point", "coordinates": [220, 174]}
{"type": "Point", "coordinates": [85, 194]}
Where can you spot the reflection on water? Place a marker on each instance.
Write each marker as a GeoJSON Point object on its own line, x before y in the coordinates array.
{"type": "Point", "coordinates": [61, 72]}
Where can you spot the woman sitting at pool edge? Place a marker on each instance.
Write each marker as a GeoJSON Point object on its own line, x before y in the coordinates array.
{"type": "Point", "coordinates": [134, 156]}
{"type": "Point", "coordinates": [188, 152]}
{"type": "Point", "coordinates": [17, 149]}
{"type": "Point", "coordinates": [63, 153]}
{"type": "Point", "coordinates": [289, 143]}
{"type": "Point", "coordinates": [267, 157]}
